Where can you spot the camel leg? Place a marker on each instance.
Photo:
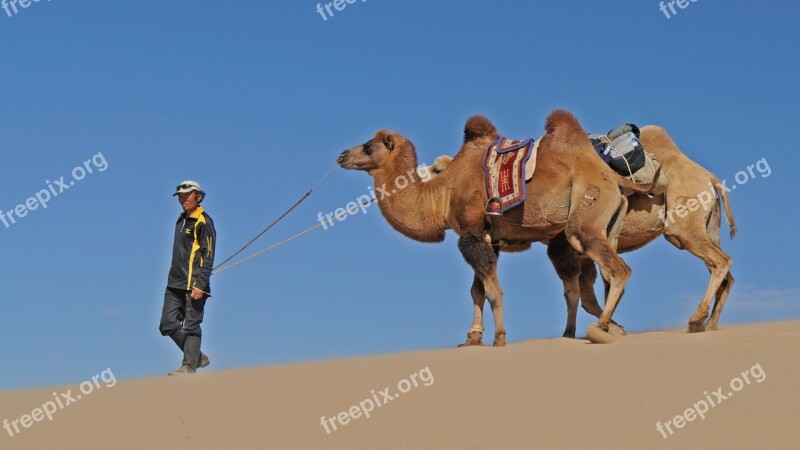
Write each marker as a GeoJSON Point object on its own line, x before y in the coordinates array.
{"type": "Point", "coordinates": [614, 228]}
{"type": "Point", "coordinates": [482, 257]}
{"type": "Point", "coordinates": [567, 264]}
{"type": "Point", "coordinates": [617, 273]}
{"type": "Point", "coordinates": [712, 230]}
{"type": "Point", "coordinates": [572, 294]}
{"type": "Point", "coordinates": [588, 297]}
{"type": "Point", "coordinates": [606, 285]}
{"type": "Point", "coordinates": [718, 264]}
{"type": "Point", "coordinates": [606, 290]}
{"type": "Point", "coordinates": [475, 333]}
{"type": "Point", "coordinates": [719, 301]}
{"type": "Point", "coordinates": [495, 295]}
{"type": "Point", "coordinates": [589, 237]}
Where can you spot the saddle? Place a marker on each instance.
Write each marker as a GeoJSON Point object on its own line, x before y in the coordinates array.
{"type": "Point", "coordinates": [508, 165]}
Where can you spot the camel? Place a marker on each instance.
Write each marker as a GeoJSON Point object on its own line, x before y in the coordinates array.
{"type": "Point", "coordinates": [688, 215]}
{"type": "Point", "coordinates": [572, 192]}
{"type": "Point", "coordinates": [647, 218]}
{"type": "Point", "coordinates": [427, 173]}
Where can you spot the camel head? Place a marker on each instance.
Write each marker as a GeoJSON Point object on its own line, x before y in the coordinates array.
{"type": "Point", "coordinates": [440, 164]}
{"type": "Point", "coordinates": [428, 173]}
{"type": "Point", "coordinates": [376, 153]}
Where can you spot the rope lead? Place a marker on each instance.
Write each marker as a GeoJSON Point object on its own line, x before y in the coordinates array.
{"type": "Point", "coordinates": [305, 196]}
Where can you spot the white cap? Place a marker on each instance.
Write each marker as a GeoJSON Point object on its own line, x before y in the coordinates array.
{"type": "Point", "coordinates": [188, 186]}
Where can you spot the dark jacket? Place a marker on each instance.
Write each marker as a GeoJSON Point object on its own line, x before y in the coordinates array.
{"type": "Point", "coordinates": [193, 252]}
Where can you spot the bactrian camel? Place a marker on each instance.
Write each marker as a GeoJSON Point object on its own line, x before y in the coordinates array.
{"type": "Point", "coordinates": [572, 192]}
{"type": "Point", "coordinates": [688, 214]}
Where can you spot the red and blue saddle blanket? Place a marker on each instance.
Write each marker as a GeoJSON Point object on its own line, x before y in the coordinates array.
{"type": "Point", "coordinates": [508, 164]}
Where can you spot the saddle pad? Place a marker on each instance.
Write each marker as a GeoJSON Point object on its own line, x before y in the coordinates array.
{"type": "Point", "coordinates": [507, 165]}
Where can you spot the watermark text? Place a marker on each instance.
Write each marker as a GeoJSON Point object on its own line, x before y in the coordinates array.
{"type": "Point", "coordinates": [58, 402]}
{"type": "Point", "coordinates": [700, 408]}
{"type": "Point", "coordinates": [377, 399]}
{"type": "Point", "coordinates": [53, 189]}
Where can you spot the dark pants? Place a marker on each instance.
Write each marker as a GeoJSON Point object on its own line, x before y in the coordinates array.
{"type": "Point", "coordinates": [180, 320]}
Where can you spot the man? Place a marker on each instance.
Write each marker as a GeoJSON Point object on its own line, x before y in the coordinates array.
{"type": "Point", "coordinates": [188, 284]}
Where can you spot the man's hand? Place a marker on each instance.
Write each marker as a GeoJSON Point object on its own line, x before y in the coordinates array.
{"type": "Point", "coordinates": [196, 294]}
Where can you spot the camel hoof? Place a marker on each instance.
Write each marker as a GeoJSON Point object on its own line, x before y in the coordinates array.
{"type": "Point", "coordinates": [711, 327]}
{"type": "Point", "coordinates": [696, 327]}
{"type": "Point", "coordinates": [616, 330]}
{"type": "Point", "coordinates": [473, 338]}
{"type": "Point", "coordinates": [597, 335]}
{"type": "Point", "coordinates": [500, 341]}
{"type": "Point", "coordinates": [569, 334]}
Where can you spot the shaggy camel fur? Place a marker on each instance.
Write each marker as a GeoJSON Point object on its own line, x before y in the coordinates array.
{"type": "Point", "coordinates": [691, 186]}
{"type": "Point", "coordinates": [573, 192]}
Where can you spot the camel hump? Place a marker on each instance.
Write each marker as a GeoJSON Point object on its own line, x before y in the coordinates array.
{"type": "Point", "coordinates": [656, 132]}
{"type": "Point", "coordinates": [562, 120]}
{"type": "Point", "coordinates": [478, 126]}
{"type": "Point", "coordinates": [655, 129]}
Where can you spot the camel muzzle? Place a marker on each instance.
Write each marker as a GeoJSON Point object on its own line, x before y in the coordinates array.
{"type": "Point", "coordinates": [344, 160]}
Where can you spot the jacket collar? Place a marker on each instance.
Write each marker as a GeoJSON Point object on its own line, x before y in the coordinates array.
{"type": "Point", "coordinates": [196, 214]}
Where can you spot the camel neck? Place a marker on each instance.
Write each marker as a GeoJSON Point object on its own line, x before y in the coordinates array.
{"type": "Point", "coordinates": [413, 207]}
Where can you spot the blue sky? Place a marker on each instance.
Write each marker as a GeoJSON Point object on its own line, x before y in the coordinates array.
{"type": "Point", "coordinates": [256, 99]}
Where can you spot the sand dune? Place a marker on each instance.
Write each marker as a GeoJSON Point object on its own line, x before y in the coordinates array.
{"type": "Point", "coordinates": [548, 394]}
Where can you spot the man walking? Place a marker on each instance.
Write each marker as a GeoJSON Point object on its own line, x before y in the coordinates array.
{"type": "Point", "coordinates": [188, 285]}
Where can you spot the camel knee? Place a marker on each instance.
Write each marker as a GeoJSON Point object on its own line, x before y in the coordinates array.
{"type": "Point", "coordinates": [494, 293]}
{"type": "Point", "coordinates": [611, 265]}
{"type": "Point", "coordinates": [496, 302]}
{"type": "Point", "coordinates": [719, 265]}
{"type": "Point", "coordinates": [617, 272]}
{"type": "Point", "coordinates": [727, 264]}
{"type": "Point", "coordinates": [624, 270]}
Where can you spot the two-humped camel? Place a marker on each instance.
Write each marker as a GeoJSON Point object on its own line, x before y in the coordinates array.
{"type": "Point", "coordinates": [572, 192]}
{"type": "Point", "coordinates": [688, 214]}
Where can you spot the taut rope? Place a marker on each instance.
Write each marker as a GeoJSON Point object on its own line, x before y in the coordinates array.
{"type": "Point", "coordinates": [305, 196]}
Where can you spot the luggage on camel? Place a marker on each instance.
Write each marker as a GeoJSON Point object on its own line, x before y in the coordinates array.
{"type": "Point", "coordinates": [620, 149]}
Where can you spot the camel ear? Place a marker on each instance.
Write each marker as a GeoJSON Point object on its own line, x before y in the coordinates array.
{"type": "Point", "coordinates": [389, 141]}
{"type": "Point", "coordinates": [478, 126]}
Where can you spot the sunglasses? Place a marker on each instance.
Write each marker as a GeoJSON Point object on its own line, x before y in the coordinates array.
{"type": "Point", "coordinates": [185, 186]}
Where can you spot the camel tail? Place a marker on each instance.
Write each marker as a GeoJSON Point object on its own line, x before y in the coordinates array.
{"type": "Point", "coordinates": [561, 120]}
{"type": "Point", "coordinates": [478, 126]}
{"type": "Point", "coordinates": [646, 189]}
{"type": "Point", "coordinates": [726, 203]}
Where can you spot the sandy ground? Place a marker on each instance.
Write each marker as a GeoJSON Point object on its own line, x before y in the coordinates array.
{"type": "Point", "coordinates": [548, 394]}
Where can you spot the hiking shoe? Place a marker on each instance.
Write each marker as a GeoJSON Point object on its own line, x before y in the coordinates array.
{"type": "Point", "coordinates": [204, 361]}
{"type": "Point", "coordinates": [183, 370]}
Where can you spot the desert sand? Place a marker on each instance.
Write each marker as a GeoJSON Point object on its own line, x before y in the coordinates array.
{"type": "Point", "coordinates": [548, 394]}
